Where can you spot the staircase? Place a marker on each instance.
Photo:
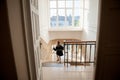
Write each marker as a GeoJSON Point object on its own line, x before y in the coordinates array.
{"type": "Point", "coordinates": [76, 52]}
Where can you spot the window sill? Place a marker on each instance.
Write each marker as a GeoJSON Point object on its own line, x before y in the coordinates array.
{"type": "Point", "coordinates": [65, 29]}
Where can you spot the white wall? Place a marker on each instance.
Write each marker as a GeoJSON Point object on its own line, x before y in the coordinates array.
{"type": "Point", "coordinates": [65, 35]}
{"type": "Point", "coordinates": [43, 11]}
{"type": "Point", "coordinates": [90, 20]}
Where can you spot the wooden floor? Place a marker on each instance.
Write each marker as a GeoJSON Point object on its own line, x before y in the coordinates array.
{"type": "Point", "coordinates": [57, 71]}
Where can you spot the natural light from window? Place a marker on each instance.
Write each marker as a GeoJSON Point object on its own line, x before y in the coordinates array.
{"type": "Point", "coordinates": [66, 13]}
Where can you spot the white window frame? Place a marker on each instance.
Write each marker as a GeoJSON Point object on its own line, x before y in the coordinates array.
{"type": "Point", "coordinates": [66, 28]}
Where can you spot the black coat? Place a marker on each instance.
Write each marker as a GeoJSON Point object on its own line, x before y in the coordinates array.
{"type": "Point", "coordinates": [59, 50]}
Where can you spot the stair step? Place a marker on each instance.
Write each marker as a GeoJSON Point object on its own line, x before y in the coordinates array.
{"type": "Point", "coordinates": [52, 64]}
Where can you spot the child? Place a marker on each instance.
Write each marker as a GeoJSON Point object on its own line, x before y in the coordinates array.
{"type": "Point", "coordinates": [59, 51]}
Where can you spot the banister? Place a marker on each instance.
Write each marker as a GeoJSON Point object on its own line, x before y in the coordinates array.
{"type": "Point", "coordinates": [87, 51]}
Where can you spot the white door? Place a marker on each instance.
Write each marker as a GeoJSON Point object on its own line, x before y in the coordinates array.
{"type": "Point", "coordinates": [36, 35]}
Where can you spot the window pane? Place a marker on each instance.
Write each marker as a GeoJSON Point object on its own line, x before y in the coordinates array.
{"type": "Point", "coordinates": [52, 4]}
{"type": "Point", "coordinates": [53, 17]}
{"type": "Point", "coordinates": [69, 4]}
{"type": "Point", "coordinates": [67, 12]}
{"type": "Point", "coordinates": [77, 16]}
{"type": "Point", "coordinates": [78, 3]}
{"type": "Point", "coordinates": [61, 4]}
{"type": "Point", "coordinates": [61, 17]}
{"type": "Point", "coordinates": [69, 17]}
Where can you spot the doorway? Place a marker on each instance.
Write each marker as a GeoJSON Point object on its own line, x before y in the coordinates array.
{"type": "Point", "coordinates": [36, 35]}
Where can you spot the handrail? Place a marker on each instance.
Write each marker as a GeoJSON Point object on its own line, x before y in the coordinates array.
{"type": "Point", "coordinates": [81, 49]}
{"type": "Point", "coordinates": [79, 41]}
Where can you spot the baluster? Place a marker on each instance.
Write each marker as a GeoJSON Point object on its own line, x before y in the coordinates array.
{"type": "Point", "coordinates": [67, 54]}
{"type": "Point", "coordinates": [64, 53]}
{"type": "Point", "coordinates": [76, 54]}
{"type": "Point", "coordinates": [94, 53]}
{"type": "Point", "coordinates": [72, 53]}
{"type": "Point", "coordinates": [85, 53]}
{"type": "Point", "coordinates": [90, 54]}
{"type": "Point", "coordinates": [81, 54]}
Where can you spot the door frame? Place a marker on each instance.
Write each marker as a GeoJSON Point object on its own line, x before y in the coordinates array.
{"type": "Point", "coordinates": [27, 26]}
{"type": "Point", "coordinates": [28, 39]}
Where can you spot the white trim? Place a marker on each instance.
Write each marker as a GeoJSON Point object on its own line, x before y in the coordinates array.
{"type": "Point", "coordinates": [28, 38]}
{"type": "Point", "coordinates": [57, 11]}
{"type": "Point", "coordinates": [65, 29]}
{"type": "Point", "coordinates": [73, 14]}
{"type": "Point", "coordinates": [48, 10]}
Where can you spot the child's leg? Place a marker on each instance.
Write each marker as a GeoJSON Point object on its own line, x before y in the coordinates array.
{"type": "Point", "coordinates": [57, 58]}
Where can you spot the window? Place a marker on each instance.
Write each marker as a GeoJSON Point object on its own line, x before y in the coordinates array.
{"type": "Point", "coordinates": [66, 13]}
